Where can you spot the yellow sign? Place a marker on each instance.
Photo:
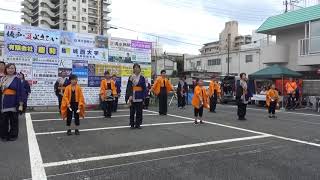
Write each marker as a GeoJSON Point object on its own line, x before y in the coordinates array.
{"type": "Point", "coordinates": [113, 69]}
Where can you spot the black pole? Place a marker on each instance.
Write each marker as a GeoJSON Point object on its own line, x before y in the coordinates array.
{"type": "Point", "coordinates": [228, 59]}
{"type": "Point", "coordinates": [101, 18]}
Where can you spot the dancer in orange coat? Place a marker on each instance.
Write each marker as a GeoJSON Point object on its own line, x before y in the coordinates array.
{"type": "Point", "coordinates": [73, 104]}
{"type": "Point", "coordinates": [108, 91]}
{"type": "Point", "coordinates": [199, 100]}
{"type": "Point", "coordinates": [272, 99]}
{"type": "Point", "coordinates": [161, 88]}
{"type": "Point", "coordinates": [214, 92]}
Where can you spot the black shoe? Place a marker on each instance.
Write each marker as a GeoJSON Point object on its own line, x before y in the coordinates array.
{"type": "Point", "coordinates": [213, 111]}
{"type": "Point", "coordinates": [201, 122]}
{"type": "Point", "coordinates": [138, 127]}
{"type": "Point", "coordinates": [69, 133]}
{"type": "Point", "coordinates": [4, 139]}
{"type": "Point", "coordinates": [12, 138]}
{"type": "Point", "coordinates": [76, 132]}
{"type": "Point", "coordinates": [270, 116]}
{"type": "Point", "coordinates": [195, 122]}
{"type": "Point", "coordinates": [132, 127]}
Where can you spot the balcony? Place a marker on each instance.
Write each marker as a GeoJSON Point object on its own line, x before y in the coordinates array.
{"type": "Point", "coordinates": [26, 19]}
{"type": "Point", "coordinates": [275, 54]}
{"type": "Point", "coordinates": [107, 18]}
{"type": "Point", "coordinates": [309, 51]}
{"type": "Point", "coordinates": [108, 2]}
{"type": "Point", "coordinates": [107, 10]}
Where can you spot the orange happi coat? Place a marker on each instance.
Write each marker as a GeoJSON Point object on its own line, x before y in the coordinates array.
{"type": "Point", "coordinates": [159, 83]}
{"type": "Point", "coordinates": [200, 94]}
{"type": "Point", "coordinates": [67, 98]}
{"type": "Point", "coordinates": [291, 87]}
{"type": "Point", "coordinates": [272, 94]}
{"type": "Point", "coordinates": [212, 87]}
{"type": "Point", "coordinates": [103, 88]}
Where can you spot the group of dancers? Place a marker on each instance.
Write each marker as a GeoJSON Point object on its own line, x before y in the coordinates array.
{"type": "Point", "coordinates": [14, 94]}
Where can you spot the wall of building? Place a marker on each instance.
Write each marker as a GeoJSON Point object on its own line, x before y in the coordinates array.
{"type": "Point", "coordinates": [237, 64]}
{"type": "Point", "coordinates": [290, 38]}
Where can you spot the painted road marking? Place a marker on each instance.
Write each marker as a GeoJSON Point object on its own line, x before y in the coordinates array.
{"type": "Point", "coordinates": [116, 127]}
{"type": "Point", "coordinates": [37, 168]}
{"type": "Point", "coordinates": [114, 156]}
{"type": "Point", "coordinates": [252, 131]}
{"type": "Point", "coordinates": [91, 117]}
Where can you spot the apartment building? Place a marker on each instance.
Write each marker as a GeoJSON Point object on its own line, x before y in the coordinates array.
{"type": "Point", "coordinates": [230, 34]}
{"type": "Point", "coordinates": [84, 16]}
{"type": "Point", "coordinates": [244, 54]}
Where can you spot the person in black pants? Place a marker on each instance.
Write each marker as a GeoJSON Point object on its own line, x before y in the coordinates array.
{"type": "Point", "coordinates": [107, 93]}
{"type": "Point", "coordinates": [118, 87]}
{"type": "Point", "coordinates": [161, 88]}
{"type": "Point", "coordinates": [148, 95]}
{"type": "Point", "coordinates": [73, 104]}
{"type": "Point", "coordinates": [272, 98]}
{"type": "Point", "coordinates": [135, 95]}
{"type": "Point", "coordinates": [182, 92]}
{"type": "Point", "coordinates": [242, 97]}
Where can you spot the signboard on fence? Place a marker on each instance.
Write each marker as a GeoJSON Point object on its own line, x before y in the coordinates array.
{"type": "Point", "coordinates": [44, 55]}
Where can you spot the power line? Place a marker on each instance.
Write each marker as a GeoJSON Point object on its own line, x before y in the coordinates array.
{"type": "Point", "coordinates": [10, 10]}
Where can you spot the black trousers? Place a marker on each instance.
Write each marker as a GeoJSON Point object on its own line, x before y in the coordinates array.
{"type": "Point", "coordinates": [291, 101]}
{"type": "Point", "coordinates": [146, 102]}
{"type": "Point", "coordinates": [198, 112]}
{"type": "Point", "coordinates": [272, 107]}
{"type": "Point", "coordinates": [242, 110]}
{"type": "Point", "coordinates": [108, 107]}
{"type": "Point", "coordinates": [115, 104]}
{"type": "Point", "coordinates": [59, 100]}
{"type": "Point", "coordinates": [136, 108]}
{"type": "Point", "coordinates": [12, 119]}
{"type": "Point", "coordinates": [181, 100]}
{"type": "Point", "coordinates": [163, 102]}
{"type": "Point", "coordinates": [74, 114]}
{"type": "Point", "coordinates": [213, 103]}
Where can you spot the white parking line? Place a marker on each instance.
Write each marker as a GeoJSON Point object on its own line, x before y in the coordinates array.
{"type": "Point", "coordinates": [284, 112]}
{"type": "Point", "coordinates": [56, 112]}
{"type": "Point", "coordinates": [252, 131]}
{"type": "Point", "coordinates": [116, 127]}
{"type": "Point", "coordinates": [91, 117]}
{"type": "Point", "coordinates": [114, 156]}
{"type": "Point", "coordinates": [157, 159]}
{"type": "Point", "coordinates": [37, 169]}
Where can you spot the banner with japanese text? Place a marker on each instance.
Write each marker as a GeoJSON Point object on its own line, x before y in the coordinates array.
{"type": "Point", "coordinates": [46, 55]}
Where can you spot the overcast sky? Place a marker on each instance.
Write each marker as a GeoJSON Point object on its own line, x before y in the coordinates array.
{"type": "Point", "coordinates": [191, 21]}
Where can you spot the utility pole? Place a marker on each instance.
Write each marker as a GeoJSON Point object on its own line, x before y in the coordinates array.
{"type": "Point", "coordinates": [101, 18]}
{"type": "Point", "coordinates": [228, 59]}
{"type": "Point", "coordinates": [286, 5]}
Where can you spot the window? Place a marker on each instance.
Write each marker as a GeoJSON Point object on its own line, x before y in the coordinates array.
{"type": "Point", "coordinates": [198, 63]}
{"type": "Point", "coordinates": [74, 17]}
{"type": "Point", "coordinates": [84, 19]}
{"type": "Point", "coordinates": [84, 28]}
{"type": "Point", "coordinates": [74, 8]}
{"type": "Point", "coordinates": [214, 62]}
{"type": "Point", "coordinates": [74, 26]}
{"type": "Point", "coordinates": [315, 37]}
{"type": "Point", "coordinates": [315, 29]}
{"type": "Point", "coordinates": [249, 58]}
{"type": "Point", "coordinates": [230, 59]}
{"type": "Point", "coordinates": [84, 1]}
{"type": "Point", "coordinates": [84, 9]}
